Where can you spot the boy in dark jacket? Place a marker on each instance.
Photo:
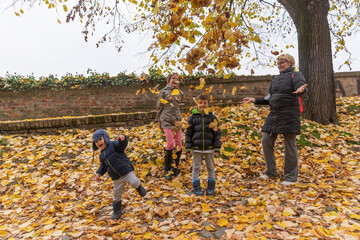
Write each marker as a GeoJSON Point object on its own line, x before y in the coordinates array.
{"type": "Point", "coordinates": [203, 138]}
{"type": "Point", "coordinates": [115, 162]}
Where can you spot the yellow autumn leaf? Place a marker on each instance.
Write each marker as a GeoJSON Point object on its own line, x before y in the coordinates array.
{"type": "Point", "coordinates": [355, 216]}
{"type": "Point", "coordinates": [222, 222]}
{"type": "Point", "coordinates": [163, 101]}
{"type": "Point", "coordinates": [201, 86]}
{"type": "Point", "coordinates": [181, 237]}
{"type": "Point", "coordinates": [227, 76]}
{"type": "Point", "coordinates": [175, 92]}
{"type": "Point", "coordinates": [210, 228]}
{"type": "Point", "coordinates": [282, 224]}
{"type": "Point", "coordinates": [228, 33]}
{"type": "Point", "coordinates": [152, 91]}
{"type": "Point", "coordinates": [196, 101]}
{"type": "Point", "coordinates": [267, 225]}
{"type": "Point", "coordinates": [177, 184]}
{"type": "Point", "coordinates": [224, 92]}
{"type": "Point", "coordinates": [288, 212]}
{"type": "Point", "coordinates": [147, 235]}
{"type": "Point", "coordinates": [243, 87]}
{"type": "Point", "coordinates": [242, 219]}
{"type": "Point", "coordinates": [205, 207]}
{"type": "Point", "coordinates": [233, 91]}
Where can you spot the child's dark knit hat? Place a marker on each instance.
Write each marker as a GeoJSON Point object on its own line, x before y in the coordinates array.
{"type": "Point", "coordinates": [97, 135]}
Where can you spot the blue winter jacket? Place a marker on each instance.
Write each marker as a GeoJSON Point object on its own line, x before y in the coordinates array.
{"type": "Point", "coordinates": [113, 158]}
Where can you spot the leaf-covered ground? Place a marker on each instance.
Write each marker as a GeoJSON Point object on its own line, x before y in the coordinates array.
{"type": "Point", "coordinates": [48, 190]}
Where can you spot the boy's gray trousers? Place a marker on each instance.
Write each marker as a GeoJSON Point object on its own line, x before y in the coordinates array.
{"type": "Point", "coordinates": [209, 160]}
{"type": "Point", "coordinates": [119, 185]}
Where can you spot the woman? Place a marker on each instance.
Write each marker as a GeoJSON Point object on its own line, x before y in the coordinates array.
{"type": "Point", "coordinates": [169, 118]}
{"type": "Point", "coordinates": [284, 118]}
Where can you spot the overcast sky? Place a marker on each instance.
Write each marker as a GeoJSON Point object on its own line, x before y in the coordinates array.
{"type": "Point", "coordinates": [36, 43]}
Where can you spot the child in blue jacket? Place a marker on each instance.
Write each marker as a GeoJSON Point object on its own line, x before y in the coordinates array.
{"type": "Point", "coordinates": [115, 162]}
{"type": "Point", "coordinates": [203, 138]}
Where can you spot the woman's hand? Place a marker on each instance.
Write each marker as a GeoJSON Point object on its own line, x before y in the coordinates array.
{"type": "Point", "coordinates": [120, 137]}
{"type": "Point", "coordinates": [247, 100]}
{"type": "Point", "coordinates": [300, 89]}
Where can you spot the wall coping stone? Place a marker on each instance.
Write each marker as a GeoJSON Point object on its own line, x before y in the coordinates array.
{"type": "Point", "coordinates": [53, 125]}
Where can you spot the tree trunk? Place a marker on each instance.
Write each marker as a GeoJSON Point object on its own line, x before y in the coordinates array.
{"type": "Point", "coordinates": [315, 58]}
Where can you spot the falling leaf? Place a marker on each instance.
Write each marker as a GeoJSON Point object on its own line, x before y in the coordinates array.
{"type": "Point", "coordinates": [233, 91]}
{"type": "Point", "coordinates": [175, 92]}
{"type": "Point", "coordinates": [163, 101]}
{"type": "Point", "coordinates": [151, 90]}
{"type": "Point", "coordinates": [214, 125]}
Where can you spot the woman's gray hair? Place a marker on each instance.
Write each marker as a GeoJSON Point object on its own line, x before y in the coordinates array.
{"type": "Point", "coordinates": [287, 57]}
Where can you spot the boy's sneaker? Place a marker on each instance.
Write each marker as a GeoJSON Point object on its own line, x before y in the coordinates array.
{"type": "Point", "coordinates": [197, 188]}
{"type": "Point", "coordinates": [264, 176]}
{"type": "Point", "coordinates": [210, 191]}
{"type": "Point", "coordinates": [287, 183]}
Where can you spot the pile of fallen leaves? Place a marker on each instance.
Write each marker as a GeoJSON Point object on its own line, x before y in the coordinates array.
{"type": "Point", "coordinates": [48, 189]}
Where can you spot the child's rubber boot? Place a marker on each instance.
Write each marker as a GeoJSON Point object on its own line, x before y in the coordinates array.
{"type": "Point", "coordinates": [210, 191]}
{"type": "Point", "coordinates": [197, 188]}
{"type": "Point", "coordinates": [167, 163]}
{"type": "Point", "coordinates": [176, 170]}
{"type": "Point", "coordinates": [141, 191]}
{"type": "Point", "coordinates": [116, 210]}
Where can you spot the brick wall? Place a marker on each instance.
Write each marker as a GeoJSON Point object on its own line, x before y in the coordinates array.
{"type": "Point", "coordinates": [44, 103]}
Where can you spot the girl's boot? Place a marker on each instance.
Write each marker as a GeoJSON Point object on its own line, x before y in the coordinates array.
{"type": "Point", "coordinates": [167, 163]}
{"type": "Point", "coordinates": [176, 170]}
{"type": "Point", "coordinates": [210, 191]}
{"type": "Point", "coordinates": [117, 210]}
{"type": "Point", "coordinates": [197, 188]}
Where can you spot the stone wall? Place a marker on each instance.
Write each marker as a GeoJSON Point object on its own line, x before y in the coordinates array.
{"type": "Point", "coordinates": [43, 103]}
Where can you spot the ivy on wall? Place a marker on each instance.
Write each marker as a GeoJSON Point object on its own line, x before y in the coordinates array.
{"type": "Point", "coordinates": [18, 83]}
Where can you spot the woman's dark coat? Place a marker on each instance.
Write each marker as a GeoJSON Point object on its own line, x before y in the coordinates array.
{"type": "Point", "coordinates": [284, 116]}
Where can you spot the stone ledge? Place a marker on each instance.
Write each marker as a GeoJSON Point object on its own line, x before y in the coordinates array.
{"type": "Point", "coordinates": [52, 125]}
